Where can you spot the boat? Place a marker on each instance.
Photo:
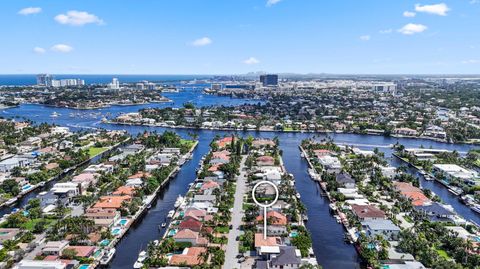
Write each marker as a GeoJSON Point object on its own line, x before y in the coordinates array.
{"type": "Point", "coordinates": [54, 114]}
{"type": "Point", "coordinates": [107, 256]}
{"type": "Point", "coordinates": [298, 195]}
{"type": "Point", "coordinates": [455, 190]}
{"type": "Point", "coordinates": [337, 218]}
{"type": "Point", "coordinates": [141, 258]}
{"type": "Point", "coordinates": [304, 217]}
{"type": "Point", "coordinates": [11, 201]}
{"type": "Point", "coordinates": [333, 207]}
{"type": "Point", "coordinates": [475, 208]}
{"type": "Point", "coordinates": [149, 206]}
{"type": "Point", "coordinates": [164, 225]}
{"type": "Point", "coordinates": [179, 201]}
{"type": "Point", "coordinates": [428, 177]}
{"type": "Point", "coordinates": [170, 214]}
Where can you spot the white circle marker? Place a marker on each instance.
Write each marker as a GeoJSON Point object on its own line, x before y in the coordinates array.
{"type": "Point", "coordinates": [265, 205]}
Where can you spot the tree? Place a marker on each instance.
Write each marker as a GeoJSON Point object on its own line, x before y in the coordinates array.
{"type": "Point", "coordinates": [69, 254]}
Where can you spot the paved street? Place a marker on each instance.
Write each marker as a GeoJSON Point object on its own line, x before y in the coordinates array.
{"type": "Point", "coordinates": [231, 260]}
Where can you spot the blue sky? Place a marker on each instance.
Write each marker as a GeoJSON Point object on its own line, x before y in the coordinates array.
{"type": "Point", "coordinates": [239, 36]}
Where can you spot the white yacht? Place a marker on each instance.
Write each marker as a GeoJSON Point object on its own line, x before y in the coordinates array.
{"type": "Point", "coordinates": [170, 214]}
{"type": "Point", "coordinates": [141, 258]}
{"type": "Point", "coordinates": [179, 201]}
{"type": "Point", "coordinates": [107, 256]}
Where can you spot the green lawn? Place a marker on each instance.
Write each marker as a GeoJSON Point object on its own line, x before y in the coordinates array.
{"type": "Point", "coordinates": [222, 229]}
{"type": "Point", "coordinates": [287, 129]}
{"type": "Point", "coordinates": [31, 223]}
{"type": "Point", "coordinates": [477, 163]}
{"type": "Point", "coordinates": [442, 253]}
{"type": "Point", "coordinates": [94, 151]}
{"type": "Point", "coordinates": [187, 142]}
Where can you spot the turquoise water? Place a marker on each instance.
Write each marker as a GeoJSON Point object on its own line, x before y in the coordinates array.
{"type": "Point", "coordinates": [84, 266]}
{"type": "Point", "coordinates": [172, 232]}
{"type": "Point", "coordinates": [123, 222]}
{"type": "Point", "coordinates": [116, 231]}
{"type": "Point", "coordinates": [97, 253]}
{"type": "Point", "coordinates": [104, 242]}
{"type": "Point", "coordinates": [26, 187]}
{"type": "Point", "coordinates": [293, 234]}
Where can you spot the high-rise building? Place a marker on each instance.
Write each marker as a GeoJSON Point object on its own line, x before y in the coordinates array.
{"type": "Point", "coordinates": [44, 80]}
{"type": "Point", "coordinates": [269, 80]}
{"type": "Point", "coordinates": [115, 85]}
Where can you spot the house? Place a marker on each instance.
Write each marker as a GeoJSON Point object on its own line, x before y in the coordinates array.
{"type": "Point", "coordinates": [191, 223]}
{"type": "Point", "coordinates": [265, 161]}
{"type": "Point", "coordinates": [204, 198]}
{"type": "Point", "coordinates": [414, 194]}
{"type": "Point", "coordinates": [261, 242]}
{"type": "Point", "coordinates": [289, 257]}
{"type": "Point", "coordinates": [8, 164]}
{"type": "Point", "coordinates": [54, 247]}
{"type": "Point", "coordinates": [198, 214]}
{"type": "Point", "coordinates": [66, 189]}
{"type": "Point", "coordinates": [192, 237]}
{"type": "Point", "coordinates": [405, 132]}
{"type": "Point", "coordinates": [345, 180]}
{"type": "Point", "coordinates": [451, 172]}
{"type": "Point", "coordinates": [277, 223]}
{"type": "Point", "coordinates": [368, 212]}
{"type": "Point", "coordinates": [124, 190]}
{"type": "Point", "coordinates": [8, 234]}
{"type": "Point", "coordinates": [190, 256]}
{"type": "Point", "coordinates": [222, 143]}
{"type": "Point", "coordinates": [65, 144]}
{"type": "Point", "coordinates": [86, 179]}
{"type": "Point", "coordinates": [175, 151]}
{"type": "Point", "coordinates": [383, 227]}
{"type": "Point", "coordinates": [263, 143]}
{"type": "Point", "coordinates": [436, 212]}
{"type": "Point", "coordinates": [35, 264]}
{"type": "Point", "coordinates": [82, 251]}
{"type": "Point", "coordinates": [113, 202]}
{"type": "Point", "coordinates": [102, 217]}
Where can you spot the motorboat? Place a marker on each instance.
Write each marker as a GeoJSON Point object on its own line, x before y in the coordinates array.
{"type": "Point", "coordinates": [170, 214]}
{"type": "Point", "coordinates": [179, 201]}
{"type": "Point", "coordinates": [142, 256]}
{"type": "Point", "coordinates": [107, 256]}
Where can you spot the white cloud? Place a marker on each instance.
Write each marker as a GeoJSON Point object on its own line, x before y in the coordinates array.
{"type": "Point", "coordinates": [204, 41]}
{"type": "Point", "coordinates": [365, 37]}
{"type": "Point", "coordinates": [471, 61]}
{"type": "Point", "coordinates": [412, 28]}
{"type": "Point", "coordinates": [409, 14]}
{"type": "Point", "coordinates": [436, 9]}
{"type": "Point", "coordinates": [386, 31]}
{"type": "Point", "coordinates": [30, 10]}
{"type": "Point", "coordinates": [39, 50]}
{"type": "Point", "coordinates": [272, 2]}
{"type": "Point", "coordinates": [251, 60]}
{"type": "Point", "coordinates": [78, 18]}
{"type": "Point", "coordinates": [63, 48]}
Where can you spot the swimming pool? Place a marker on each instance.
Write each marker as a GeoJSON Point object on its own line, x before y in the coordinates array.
{"type": "Point", "coordinates": [172, 232]}
{"type": "Point", "coordinates": [84, 266]}
{"type": "Point", "coordinates": [294, 234]}
{"type": "Point", "coordinates": [26, 187]}
{"type": "Point", "coordinates": [116, 231]}
{"type": "Point", "coordinates": [123, 222]}
{"type": "Point", "coordinates": [104, 242]}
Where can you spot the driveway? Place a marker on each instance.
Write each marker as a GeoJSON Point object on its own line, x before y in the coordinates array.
{"type": "Point", "coordinates": [231, 261]}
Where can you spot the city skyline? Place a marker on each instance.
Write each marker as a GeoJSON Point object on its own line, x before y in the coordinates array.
{"type": "Point", "coordinates": [238, 37]}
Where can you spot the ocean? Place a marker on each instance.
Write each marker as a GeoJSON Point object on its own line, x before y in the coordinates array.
{"type": "Point", "coordinates": [30, 79]}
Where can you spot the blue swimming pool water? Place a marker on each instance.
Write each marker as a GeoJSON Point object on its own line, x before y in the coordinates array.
{"type": "Point", "coordinates": [26, 187]}
{"type": "Point", "coordinates": [123, 222]}
{"type": "Point", "coordinates": [84, 266]}
{"type": "Point", "coordinates": [104, 242]}
{"type": "Point", "coordinates": [116, 231]}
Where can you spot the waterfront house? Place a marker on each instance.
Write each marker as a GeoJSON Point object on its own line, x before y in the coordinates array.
{"type": "Point", "coordinates": [436, 212]}
{"type": "Point", "coordinates": [191, 223]}
{"type": "Point", "coordinates": [452, 172]}
{"type": "Point", "coordinates": [414, 194]}
{"type": "Point", "coordinates": [345, 180]}
{"type": "Point", "coordinates": [205, 198]}
{"type": "Point", "coordinates": [265, 161]}
{"type": "Point", "coordinates": [405, 132]}
{"type": "Point", "coordinates": [330, 164]}
{"type": "Point", "coordinates": [86, 179]}
{"type": "Point", "coordinates": [190, 256]}
{"type": "Point", "coordinates": [54, 247]}
{"type": "Point", "coordinates": [97, 168]}
{"type": "Point", "coordinates": [267, 243]}
{"type": "Point", "coordinates": [289, 257]}
{"type": "Point", "coordinates": [277, 223]}
{"type": "Point", "coordinates": [368, 212]}
{"type": "Point", "coordinates": [261, 143]}
{"type": "Point", "coordinates": [8, 164]}
{"type": "Point", "coordinates": [383, 227]}
{"type": "Point", "coordinates": [82, 251]}
{"type": "Point", "coordinates": [102, 217]}
{"type": "Point", "coordinates": [112, 202]}
{"type": "Point", "coordinates": [189, 236]}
